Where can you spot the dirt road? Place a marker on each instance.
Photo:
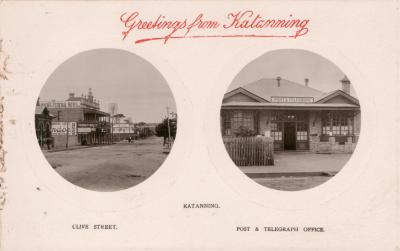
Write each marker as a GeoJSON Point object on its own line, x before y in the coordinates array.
{"type": "Point", "coordinates": [112, 167]}
{"type": "Point", "coordinates": [292, 183]}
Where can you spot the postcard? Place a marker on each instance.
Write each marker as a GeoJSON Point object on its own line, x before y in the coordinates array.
{"type": "Point", "coordinates": [199, 125]}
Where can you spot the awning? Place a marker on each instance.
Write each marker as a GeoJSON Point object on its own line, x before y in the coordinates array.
{"type": "Point", "coordinates": [97, 112]}
{"type": "Point", "coordinates": [289, 106]}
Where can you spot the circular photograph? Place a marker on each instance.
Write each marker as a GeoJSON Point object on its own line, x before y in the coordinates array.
{"type": "Point", "coordinates": [105, 119]}
{"type": "Point", "coordinates": [290, 120]}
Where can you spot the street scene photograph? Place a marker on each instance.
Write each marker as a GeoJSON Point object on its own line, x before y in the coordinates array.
{"type": "Point", "coordinates": [105, 120]}
{"type": "Point", "coordinates": [290, 120]}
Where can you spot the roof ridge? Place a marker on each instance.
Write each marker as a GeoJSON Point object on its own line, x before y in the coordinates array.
{"type": "Point", "coordinates": [285, 79]}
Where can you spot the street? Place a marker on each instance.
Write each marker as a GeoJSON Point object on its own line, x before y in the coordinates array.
{"type": "Point", "coordinates": [110, 167]}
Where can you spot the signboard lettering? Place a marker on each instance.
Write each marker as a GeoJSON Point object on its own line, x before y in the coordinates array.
{"type": "Point", "coordinates": [292, 99]}
{"type": "Point", "coordinates": [84, 130]}
{"type": "Point", "coordinates": [60, 128]}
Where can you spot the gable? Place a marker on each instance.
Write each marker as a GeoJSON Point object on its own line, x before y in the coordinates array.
{"type": "Point", "coordinates": [338, 100]}
{"type": "Point", "coordinates": [239, 97]}
{"type": "Point", "coordinates": [338, 97]}
{"type": "Point", "coordinates": [45, 111]}
{"type": "Point", "coordinates": [242, 95]}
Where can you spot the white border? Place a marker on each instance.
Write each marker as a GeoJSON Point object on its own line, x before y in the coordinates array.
{"type": "Point", "coordinates": [152, 188]}
{"type": "Point", "coordinates": [268, 197]}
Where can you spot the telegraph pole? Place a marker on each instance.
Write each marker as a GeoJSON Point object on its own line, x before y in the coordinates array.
{"type": "Point", "coordinates": [66, 145]}
{"type": "Point", "coordinates": [129, 129]}
{"type": "Point", "coordinates": [112, 128]}
{"type": "Point", "coordinates": [169, 129]}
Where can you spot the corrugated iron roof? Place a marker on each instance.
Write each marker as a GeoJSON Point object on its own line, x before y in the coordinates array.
{"type": "Point", "coordinates": [74, 99]}
{"type": "Point", "coordinates": [308, 106]}
{"type": "Point", "coordinates": [39, 111]}
{"type": "Point", "coordinates": [268, 87]}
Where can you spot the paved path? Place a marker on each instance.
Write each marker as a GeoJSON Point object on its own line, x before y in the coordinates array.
{"type": "Point", "coordinates": [291, 162]}
{"type": "Point", "coordinates": [111, 167]}
{"type": "Point", "coordinates": [295, 171]}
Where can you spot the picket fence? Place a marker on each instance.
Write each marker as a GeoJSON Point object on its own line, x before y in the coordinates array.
{"type": "Point", "coordinates": [250, 151]}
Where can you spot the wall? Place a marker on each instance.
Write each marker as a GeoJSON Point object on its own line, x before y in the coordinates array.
{"type": "Point", "coordinates": [67, 114]}
{"type": "Point", "coordinates": [334, 147]}
{"type": "Point", "coordinates": [61, 140]}
{"type": "Point", "coordinates": [315, 127]}
{"type": "Point", "coordinates": [263, 122]}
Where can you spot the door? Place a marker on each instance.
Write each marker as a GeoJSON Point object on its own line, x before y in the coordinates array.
{"type": "Point", "coordinates": [289, 136]}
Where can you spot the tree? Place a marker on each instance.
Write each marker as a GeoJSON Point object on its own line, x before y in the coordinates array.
{"type": "Point", "coordinates": [162, 128]}
{"type": "Point", "coordinates": [243, 131]}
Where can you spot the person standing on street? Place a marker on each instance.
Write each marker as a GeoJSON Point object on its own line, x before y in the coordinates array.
{"type": "Point", "coordinates": [48, 143]}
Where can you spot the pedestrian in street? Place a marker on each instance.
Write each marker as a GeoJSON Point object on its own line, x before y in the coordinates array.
{"type": "Point", "coordinates": [48, 143]}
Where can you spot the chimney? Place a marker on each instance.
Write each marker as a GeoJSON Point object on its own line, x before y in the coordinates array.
{"type": "Point", "coordinates": [278, 79]}
{"type": "Point", "coordinates": [90, 95]}
{"type": "Point", "coordinates": [71, 94]}
{"type": "Point", "coordinates": [306, 80]}
{"type": "Point", "coordinates": [345, 85]}
{"type": "Point", "coordinates": [38, 102]}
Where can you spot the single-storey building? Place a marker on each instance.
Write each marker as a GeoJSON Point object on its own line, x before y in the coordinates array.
{"type": "Point", "coordinates": [122, 130]}
{"type": "Point", "coordinates": [295, 116]}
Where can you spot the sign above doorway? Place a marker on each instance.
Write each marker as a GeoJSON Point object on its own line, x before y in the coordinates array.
{"type": "Point", "coordinates": [277, 99]}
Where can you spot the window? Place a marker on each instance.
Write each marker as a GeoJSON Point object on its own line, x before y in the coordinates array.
{"type": "Point", "coordinates": [226, 124]}
{"type": "Point", "coordinates": [302, 131]}
{"type": "Point", "coordinates": [337, 124]}
{"type": "Point", "coordinates": [301, 136]}
{"type": "Point", "coordinates": [276, 131]}
{"type": "Point", "coordinates": [340, 125]}
{"type": "Point", "coordinates": [232, 121]}
{"type": "Point", "coordinates": [274, 126]}
{"type": "Point", "coordinates": [326, 124]}
{"type": "Point", "coordinates": [243, 119]}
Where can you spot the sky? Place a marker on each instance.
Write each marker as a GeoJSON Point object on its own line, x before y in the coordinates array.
{"type": "Point", "coordinates": [294, 65]}
{"type": "Point", "coordinates": [115, 76]}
